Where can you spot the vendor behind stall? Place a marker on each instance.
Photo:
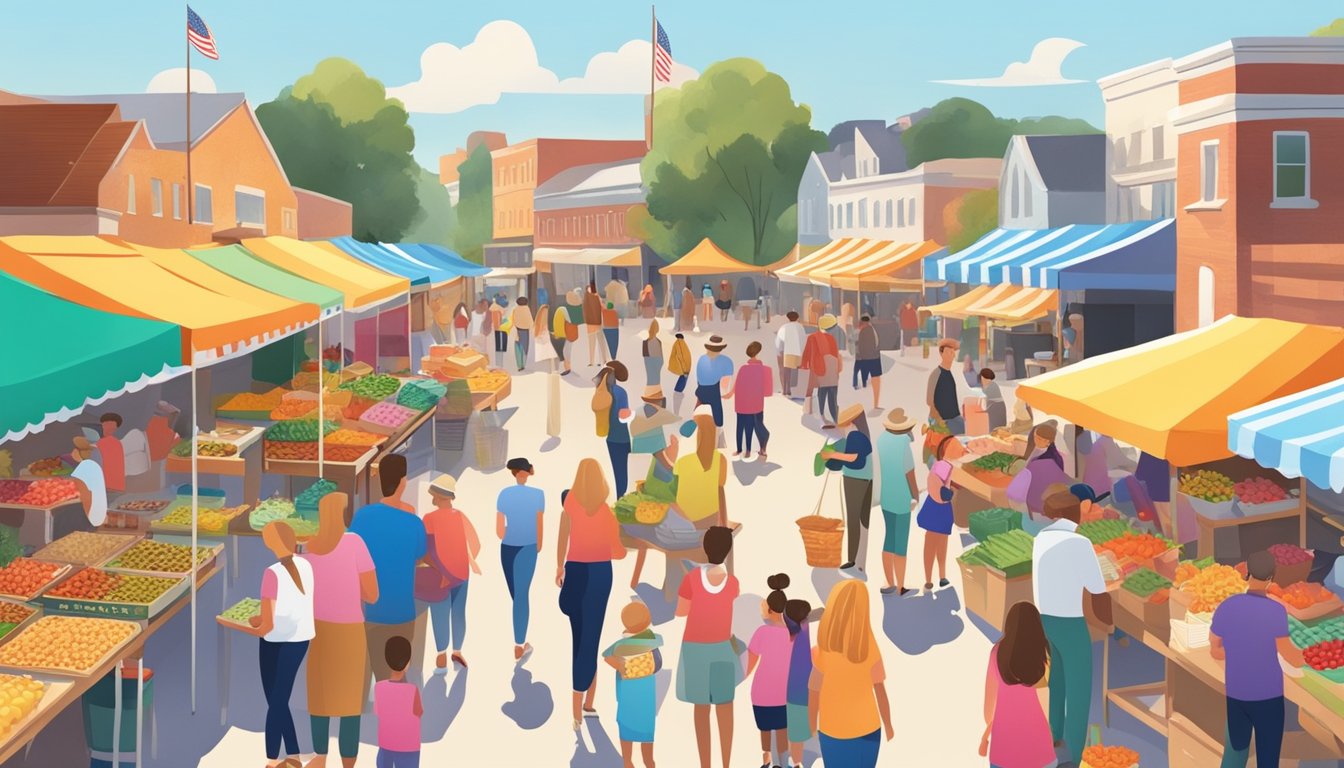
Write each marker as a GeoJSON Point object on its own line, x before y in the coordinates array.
{"type": "Point", "coordinates": [112, 453]}
{"type": "Point", "coordinates": [1041, 466]}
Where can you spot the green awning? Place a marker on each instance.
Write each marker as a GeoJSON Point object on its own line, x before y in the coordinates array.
{"type": "Point", "coordinates": [237, 261]}
{"type": "Point", "coordinates": [58, 358]}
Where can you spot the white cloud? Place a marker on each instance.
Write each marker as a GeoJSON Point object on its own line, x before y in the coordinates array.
{"type": "Point", "coordinates": [502, 59]}
{"type": "Point", "coordinates": [175, 81]}
{"type": "Point", "coordinates": [1043, 68]}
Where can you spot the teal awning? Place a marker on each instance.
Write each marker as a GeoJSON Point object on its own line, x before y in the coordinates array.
{"type": "Point", "coordinates": [58, 358]}
{"type": "Point", "coordinates": [239, 263]}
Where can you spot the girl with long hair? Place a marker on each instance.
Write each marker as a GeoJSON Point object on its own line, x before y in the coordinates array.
{"type": "Point", "coordinates": [701, 475]}
{"type": "Point", "coordinates": [849, 708]}
{"type": "Point", "coordinates": [935, 515]}
{"type": "Point", "coordinates": [1017, 734]}
{"type": "Point", "coordinates": [769, 655]}
{"type": "Point", "coordinates": [797, 616]}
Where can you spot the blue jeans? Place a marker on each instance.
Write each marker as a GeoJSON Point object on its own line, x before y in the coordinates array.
{"type": "Point", "coordinates": [827, 400]}
{"type": "Point", "coordinates": [613, 340]}
{"type": "Point", "coordinates": [1264, 719]}
{"type": "Point", "coordinates": [749, 424]}
{"type": "Point", "coordinates": [620, 465]}
{"type": "Point", "coordinates": [449, 618]}
{"type": "Point", "coordinates": [279, 666]}
{"type": "Point", "coordinates": [389, 759]}
{"type": "Point", "coordinates": [520, 563]}
{"type": "Point", "coordinates": [583, 599]}
{"type": "Point", "coordinates": [711, 395]}
{"type": "Point", "coordinates": [681, 384]}
{"type": "Point", "coordinates": [520, 348]}
{"type": "Point", "coordinates": [859, 752]}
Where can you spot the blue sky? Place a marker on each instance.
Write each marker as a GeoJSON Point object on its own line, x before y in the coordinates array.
{"type": "Point", "coordinates": [857, 59]}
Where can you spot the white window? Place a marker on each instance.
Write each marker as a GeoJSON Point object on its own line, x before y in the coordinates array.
{"type": "Point", "coordinates": [249, 207]}
{"type": "Point", "coordinates": [831, 217]}
{"type": "Point", "coordinates": [156, 197]}
{"type": "Point", "coordinates": [1159, 149]}
{"type": "Point", "coordinates": [1136, 147]}
{"type": "Point", "coordinates": [205, 206]}
{"type": "Point", "coordinates": [890, 219]}
{"type": "Point", "coordinates": [1026, 195]}
{"type": "Point", "coordinates": [1208, 171]}
{"type": "Point", "coordinates": [910, 217]}
{"type": "Point", "coordinates": [877, 214]}
{"type": "Point", "coordinates": [1205, 296]}
{"type": "Point", "coordinates": [900, 218]}
{"type": "Point", "coordinates": [1015, 197]}
{"type": "Point", "coordinates": [130, 194]}
{"type": "Point", "coordinates": [849, 214]}
{"type": "Point", "coordinates": [863, 212]}
{"type": "Point", "coordinates": [1292, 166]}
{"type": "Point", "coordinates": [177, 201]}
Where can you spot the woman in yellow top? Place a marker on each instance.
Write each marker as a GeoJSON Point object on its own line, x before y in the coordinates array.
{"type": "Point", "coordinates": [847, 700]}
{"type": "Point", "coordinates": [559, 335]}
{"type": "Point", "coordinates": [700, 475]}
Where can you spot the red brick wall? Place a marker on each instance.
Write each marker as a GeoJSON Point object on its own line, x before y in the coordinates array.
{"type": "Point", "coordinates": [322, 217]}
{"type": "Point", "coordinates": [551, 229]}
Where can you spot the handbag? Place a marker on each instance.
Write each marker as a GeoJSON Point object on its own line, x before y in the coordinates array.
{"type": "Point", "coordinates": [571, 331]}
{"type": "Point", "coordinates": [433, 582]}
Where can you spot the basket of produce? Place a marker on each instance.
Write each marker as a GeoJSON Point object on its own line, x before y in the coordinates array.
{"type": "Point", "coordinates": [1146, 548]}
{"type": "Point", "coordinates": [294, 408]}
{"type": "Point", "coordinates": [1101, 531]}
{"type": "Point", "coordinates": [1008, 553]}
{"type": "Point", "coordinates": [1189, 568]}
{"type": "Point", "coordinates": [298, 431]}
{"type": "Point", "coordinates": [47, 492]}
{"type": "Point", "coordinates": [67, 645]}
{"type": "Point", "coordinates": [1206, 590]}
{"type": "Point", "coordinates": [354, 438]}
{"type": "Point", "coordinates": [1099, 756]}
{"type": "Point", "coordinates": [487, 380]}
{"type": "Point", "coordinates": [305, 504]}
{"type": "Point", "coordinates": [13, 490]}
{"type": "Point", "coordinates": [1306, 600]}
{"type": "Point", "coordinates": [309, 380]}
{"type": "Point", "coordinates": [241, 613]}
{"type": "Point", "coordinates": [157, 558]}
{"type": "Point", "coordinates": [823, 538]}
{"type": "Point", "coordinates": [1308, 633]}
{"type": "Point", "coordinates": [1145, 583]}
{"type": "Point", "coordinates": [25, 578]}
{"type": "Point", "coordinates": [249, 405]}
{"type": "Point", "coordinates": [309, 452]}
{"type": "Point", "coordinates": [85, 548]}
{"type": "Point", "coordinates": [386, 418]}
{"type": "Point", "coordinates": [636, 661]}
{"type": "Point", "coordinates": [54, 466]}
{"type": "Point", "coordinates": [1261, 496]}
{"type": "Point", "coordinates": [993, 468]}
{"type": "Point", "coordinates": [141, 506]}
{"type": "Point", "coordinates": [641, 509]}
{"type": "Point", "coordinates": [268, 511]}
{"type": "Point", "coordinates": [210, 522]}
{"type": "Point", "coordinates": [206, 449]}
{"type": "Point", "coordinates": [988, 522]}
{"type": "Point", "coordinates": [14, 617]}
{"type": "Point", "coordinates": [1291, 563]}
{"type": "Point", "coordinates": [1209, 493]}
{"type": "Point", "coordinates": [20, 695]}
{"type": "Point", "coordinates": [375, 387]}
{"type": "Point", "coordinates": [1326, 659]}
{"type": "Point", "coordinates": [97, 592]}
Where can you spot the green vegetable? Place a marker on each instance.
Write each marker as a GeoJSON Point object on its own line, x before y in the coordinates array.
{"type": "Point", "coordinates": [1102, 531]}
{"type": "Point", "coordinates": [625, 506]}
{"type": "Point", "coordinates": [314, 493]}
{"type": "Point", "coordinates": [1305, 635]}
{"type": "Point", "coordinates": [1145, 581]}
{"type": "Point", "coordinates": [270, 510]}
{"type": "Point", "coordinates": [376, 386]}
{"type": "Point", "coordinates": [1008, 552]}
{"type": "Point", "coordinates": [9, 545]}
{"type": "Point", "coordinates": [995, 520]}
{"type": "Point", "coordinates": [298, 430]}
{"type": "Point", "coordinates": [997, 461]}
{"type": "Point", "coordinates": [243, 610]}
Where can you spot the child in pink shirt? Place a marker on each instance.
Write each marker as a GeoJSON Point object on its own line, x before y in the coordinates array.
{"type": "Point", "coordinates": [1017, 734]}
{"type": "Point", "coordinates": [397, 705]}
{"type": "Point", "coordinates": [768, 655]}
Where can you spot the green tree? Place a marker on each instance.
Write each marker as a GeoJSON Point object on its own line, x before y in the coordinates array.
{"type": "Point", "coordinates": [475, 204]}
{"type": "Point", "coordinates": [1333, 29]}
{"type": "Point", "coordinates": [336, 132]}
{"type": "Point", "coordinates": [964, 128]}
{"type": "Point", "coordinates": [729, 151]}
{"type": "Point", "coordinates": [976, 216]}
{"type": "Point", "coordinates": [436, 221]}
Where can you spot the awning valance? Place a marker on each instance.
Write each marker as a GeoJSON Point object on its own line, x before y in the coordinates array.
{"type": "Point", "coordinates": [589, 257]}
{"type": "Point", "coordinates": [103, 273]}
{"type": "Point", "coordinates": [709, 259]}
{"type": "Point", "coordinates": [1301, 435]}
{"type": "Point", "coordinates": [1172, 397]}
{"type": "Point", "coordinates": [1009, 304]}
{"type": "Point", "coordinates": [1133, 256]}
{"type": "Point", "coordinates": [242, 264]}
{"type": "Point", "coordinates": [363, 286]}
{"type": "Point", "coordinates": [833, 255]}
{"type": "Point", "coordinates": [96, 356]}
{"type": "Point", "coordinates": [886, 259]}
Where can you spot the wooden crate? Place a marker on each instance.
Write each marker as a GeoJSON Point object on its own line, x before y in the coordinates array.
{"type": "Point", "coordinates": [973, 588]}
{"type": "Point", "coordinates": [1189, 747]}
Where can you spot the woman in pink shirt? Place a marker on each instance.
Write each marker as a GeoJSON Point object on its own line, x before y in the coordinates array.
{"type": "Point", "coordinates": [1016, 732]}
{"type": "Point", "coordinates": [338, 666]}
{"type": "Point", "coordinates": [710, 669]}
{"type": "Point", "coordinates": [754, 382]}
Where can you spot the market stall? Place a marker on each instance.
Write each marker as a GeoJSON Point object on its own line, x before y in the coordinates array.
{"type": "Point", "coordinates": [707, 259]}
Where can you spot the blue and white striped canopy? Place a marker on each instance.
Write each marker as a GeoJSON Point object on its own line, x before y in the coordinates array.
{"type": "Point", "coordinates": [1300, 435]}
{"type": "Point", "coordinates": [1138, 255]}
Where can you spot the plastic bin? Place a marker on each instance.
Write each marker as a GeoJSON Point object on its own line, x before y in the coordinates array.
{"type": "Point", "coordinates": [98, 705]}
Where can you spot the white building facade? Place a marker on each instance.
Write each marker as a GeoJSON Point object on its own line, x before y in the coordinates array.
{"type": "Point", "coordinates": [1141, 151]}
{"type": "Point", "coordinates": [907, 206]}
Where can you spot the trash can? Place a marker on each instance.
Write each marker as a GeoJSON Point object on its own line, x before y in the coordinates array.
{"type": "Point", "coordinates": [98, 706]}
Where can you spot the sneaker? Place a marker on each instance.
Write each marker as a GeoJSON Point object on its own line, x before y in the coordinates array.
{"type": "Point", "coordinates": [847, 566]}
{"type": "Point", "coordinates": [943, 583]}
{"type": "Point", "coordinates": [905, 591]}
{"type": "Point", "coordinates": [887, 590]}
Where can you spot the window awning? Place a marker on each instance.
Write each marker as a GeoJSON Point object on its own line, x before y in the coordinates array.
{"type": "Point", "coordinates": [95, 357]}
{"type": "Point", "coordinates": [1172, 397]}
{"type": "Point", "coordinates": [1300, 435]}
{"type": "Point", "coordinates": [1133, 256]}
{"type": "Point", "coordinates": [363, 286]}
{"type": "Point", "coordinates": [589, 257]}
{"type": "Point", "coordinates": [242, 264]}
{"type": "Point", "coordinates": [887, 260]}
{"type": "Point", "coordinates": [1009, 304]}
{"type": "Point", "coordinates": [103, 273]}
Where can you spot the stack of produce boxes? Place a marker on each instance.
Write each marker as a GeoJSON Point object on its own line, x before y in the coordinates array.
{"type": "Point", "coordinates": [996, 574]}
{"type": "Point", "coordinates": [1322, 644]}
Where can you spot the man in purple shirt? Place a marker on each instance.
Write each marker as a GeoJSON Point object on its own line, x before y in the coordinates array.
{"type": "Point", "coordinates": [754, 381]}
{"type": "Point", "coordinates": [1250, 632]}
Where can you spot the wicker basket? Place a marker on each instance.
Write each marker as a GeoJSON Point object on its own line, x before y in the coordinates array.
{"type": "Point", "coordinates": [823, 539]}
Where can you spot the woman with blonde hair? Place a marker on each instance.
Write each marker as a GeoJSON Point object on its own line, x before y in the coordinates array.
{"type": "Point", "coordinates": [338, 658]}
{"type": "Point", "coordinates": [588, 541]}
{"type": "Point", "coordinates": [848, 703]}
{"type": "Point", "coordinates": [701, 474]}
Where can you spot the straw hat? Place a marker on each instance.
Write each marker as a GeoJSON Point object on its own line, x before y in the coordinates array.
{"type": "Point", "coordinates": [716, 343]}
{"type": "Point", "coordinates": [897, 421]}
{"type": "Point", "coordinates": [826, 322]}
{"type": "Point", "coordinates": [850, 415]}
{"type": "Point", "coordinates": [652, 394]}
{"type": "Point", "coordinates": [443, 485]}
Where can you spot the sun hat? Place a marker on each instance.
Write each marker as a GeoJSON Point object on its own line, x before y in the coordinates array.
{"type": "Point", "coordinates": [849, 415]}
{"type": "Point", "coordinates": [443, 485]}
{"type": "Point", "coordinates": [653, 393]}
{"type": "Point", "coordinates": [716, 343]}
{"type": "Point", "coordinates": [897, 421]}
{"type": "Point", "coordinates": [826, 322]}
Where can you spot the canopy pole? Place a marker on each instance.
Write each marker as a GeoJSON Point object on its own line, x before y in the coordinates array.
{"type": "Point", "coordinates": [321, 411]}
{"type": "Point", "coordinates": [195, 510]}
{"type": "Point", "coordinates": [1174, 508]}
{"type": "Point", "coordinates": [410, 353]}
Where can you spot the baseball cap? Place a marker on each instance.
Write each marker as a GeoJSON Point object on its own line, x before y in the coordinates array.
{"type": "Point", "coordinates": [1085, 492]}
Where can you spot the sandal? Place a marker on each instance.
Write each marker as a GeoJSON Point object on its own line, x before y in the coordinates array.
{"type": "Point", "coordinates": [457, 659]}
{"type": "Point", "coordinates": [521, 652]}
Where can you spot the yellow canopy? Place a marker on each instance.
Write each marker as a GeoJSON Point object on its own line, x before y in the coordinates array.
{"type": "Point", "coordinates": [218, 316]}
{"type": "Point", "coordinates": [958, 306]}
{"type": "Point", "coordinates": [886, 260]}
{"type": "Point", "coordinates": [587, 257]}
{"type": "Point", "coordinates": [709, 259]}
{"type": "Point", "coordinates": [1171, 397]}
{"type": "Point", "coordinates": [833, 255]}
{"type": "Point", "coordinates": [323, 263]}
{"type": "Point", "coordinates": [1017, 305]}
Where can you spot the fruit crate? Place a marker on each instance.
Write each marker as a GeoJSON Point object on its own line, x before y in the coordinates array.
{"type": "Point", "coordinates": [54, 552]}
{"type": "Point", "coordinates": [56, 576]}
{"type": "Point", "coordinates": [1242, 509]}
{"type": "Point", "coordinates": [56, 670]}
{"type": "Point", "coordinates": [212, 552]}
{"type": "Point", "coordinates": [9, 630]}
{"type": "Point", "coordinates": [1315, 611]}
{"type": "Point", "coordinates": [1209, 510]}
{"type": "Point", "coordinates": [159, 526]}
{"type": "Point", "coordinates": [1326, 691]}
{"type": "Point", "coordinates": [229, 621]}
{"type": "Point", "coordinates": [108, 609]}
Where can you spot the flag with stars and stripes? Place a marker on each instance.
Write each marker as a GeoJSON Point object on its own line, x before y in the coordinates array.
{"type": "Point", "coordinates": [662, 56]}
{"type": "Point", "coordinates": [199, 35]}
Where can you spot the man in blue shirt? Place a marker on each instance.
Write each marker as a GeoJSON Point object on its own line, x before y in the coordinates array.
{"type": "Point", "coordinates": [710, 371]}
{"type": "Point", "coordinates": [395, 537]}
{"type": "Point", "coordinates": [518, 525]}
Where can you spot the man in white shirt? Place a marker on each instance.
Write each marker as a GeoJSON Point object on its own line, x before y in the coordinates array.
{"type": "Point", "coordinates": [1065, 570]}
{"type": "Point", "coordinates": [789, 342]}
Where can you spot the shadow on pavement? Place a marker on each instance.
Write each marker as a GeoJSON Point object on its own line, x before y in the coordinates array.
{"type": "Point", "coordinates": [550, 445]}
{"type": "Point", "coordinates": [602, 754]}
{"type": "Point", "coordinates": [442, 705]}
{"type": "Point", "coordinates": [916, 624]}
{"type": "Point", "coordinates": [532, 702]}
{"type": "Point", "coordinates": [747, 472]}
{"type": "Point", "coordinates": [660, 610]}
{"type": "Point", "coordinates": [823, 579]}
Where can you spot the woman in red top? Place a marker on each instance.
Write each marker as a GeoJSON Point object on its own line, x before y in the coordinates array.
{"type": "Point", "coordinates": [450, 559]}
{"type": "Point", "coordinates": [589, 540]}
{"type": "Point", "coordinates": [710, 668]}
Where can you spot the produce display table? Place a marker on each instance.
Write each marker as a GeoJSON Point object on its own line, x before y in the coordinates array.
{"type": "Point", "coordinates": [64, 691]}
{"type": "Point", "coordinates": [47, 514]}
{"type": "Point", "coordinates": [1208, 526]}
{"type": "Point", "coordinates": [246, 463]}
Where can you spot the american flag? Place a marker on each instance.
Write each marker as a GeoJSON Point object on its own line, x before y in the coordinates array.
{"type": "Point", "coordinates": [662, 56]}
{"type": "Point", "coordinates": [199, 35]}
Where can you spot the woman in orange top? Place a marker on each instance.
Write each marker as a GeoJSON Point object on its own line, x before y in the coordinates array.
{"type": "Point", "coordinates": [848, 703]}
{"type": "Point", "coordinates": [589, 540]}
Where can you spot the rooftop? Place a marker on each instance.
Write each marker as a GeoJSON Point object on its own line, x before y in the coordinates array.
{"type": "Point", "coordinates": [165, 113]}
{"type": "Point", "coordinates": [1070, 163]}
{"type": "Point", "coordinates": [58, 154]}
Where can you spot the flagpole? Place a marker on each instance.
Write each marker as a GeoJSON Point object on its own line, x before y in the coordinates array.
{"type": "Point", "coordinates": [653, 56]}
{"type": "Point", "coordinates": [190, 211]}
